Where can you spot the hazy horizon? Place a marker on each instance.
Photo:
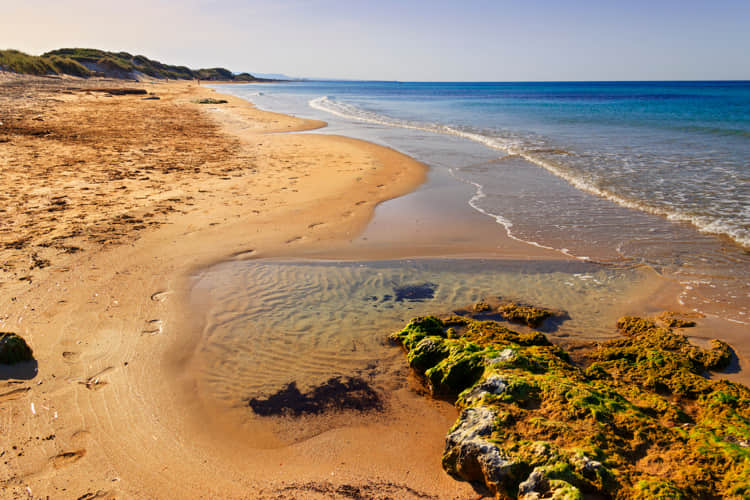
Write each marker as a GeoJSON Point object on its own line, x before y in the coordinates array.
{"type": "Point", "coordinates": [417, 41]}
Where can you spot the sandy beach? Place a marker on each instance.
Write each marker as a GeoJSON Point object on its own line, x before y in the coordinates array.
{"type": "Point", "coordinates": [112, 202]}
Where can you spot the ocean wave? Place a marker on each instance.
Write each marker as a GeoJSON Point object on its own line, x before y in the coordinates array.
{"type": "Point", "coordinates": [530, 149]}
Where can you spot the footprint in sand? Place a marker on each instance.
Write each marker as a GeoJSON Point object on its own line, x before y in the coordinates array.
{"type": "Point", "coordinates": [97, 494]}
{"type": "Point", "coordinates": [80, 435]}
{"type": "Point", "coordinates": [160, 296]}
{"type": "Point", "coordinates": [154, 327]}
{"type": "Point", "coordinates": [67, 458]}
{"type": "Point", "coordinates": [314, 225]}
{"type": "Point", "coordinates": [96, 382]}
{"type": "Point", "coordinates": [70, 356]}
{"type": "Point", "coordinates": [14, 394]}
{"type": "Point", "coordinates": [292, 240]}
{"type": "Point", "coordinates": [243, 254]}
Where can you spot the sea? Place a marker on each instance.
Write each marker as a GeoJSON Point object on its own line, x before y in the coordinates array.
{"type": "Point", "coordinates": [641, 188]}
{"type": "Point", "coordinates": [620, 173]}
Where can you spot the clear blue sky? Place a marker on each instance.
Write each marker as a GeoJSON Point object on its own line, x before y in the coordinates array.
{"type": "Point", "coordinates": [406, 40]}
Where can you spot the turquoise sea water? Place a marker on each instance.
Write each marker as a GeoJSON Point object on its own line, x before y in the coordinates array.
{"type": "Point", "coordinates": [643, 172]}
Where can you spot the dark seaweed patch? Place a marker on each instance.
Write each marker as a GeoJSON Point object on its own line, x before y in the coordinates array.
{"type": "Point", "coordinates": [415, 293]}
{"type": "Point", "coordinates": [335, 394]}
{"type": "Point", "coordinates": [369, 490]}
{"type": "Point", "coordinates": [14, 349]}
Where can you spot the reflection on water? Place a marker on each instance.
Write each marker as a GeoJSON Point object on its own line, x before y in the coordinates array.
{"type": "Point", "coordinates": [269, 324]}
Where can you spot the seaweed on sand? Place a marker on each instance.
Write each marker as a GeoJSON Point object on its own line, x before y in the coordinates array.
{"type": "Point", "coordinates": [335, 394]}
{"type": "Point", "coordinates": [415, 293]}
{"type": "Point", "coordinates": [210, 100]}
{"type": "Point", "coordinates": [14, 349]}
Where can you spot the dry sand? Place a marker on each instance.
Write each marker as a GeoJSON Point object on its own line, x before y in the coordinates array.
{"type": "Point", "coordinates": [109, 203]}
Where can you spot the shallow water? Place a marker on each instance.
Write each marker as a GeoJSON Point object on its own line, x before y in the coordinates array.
{"type": "Point", "coordinates": [624, 173]}
{"type": "Point", "coordinates": [270, 323]}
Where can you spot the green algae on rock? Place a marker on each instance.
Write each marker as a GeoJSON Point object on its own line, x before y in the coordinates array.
{"type": "Point", "coordinates": [671, 320]}
{"type": "Point", "coordinates": [527, 315]}
{"type": "Point", "coordinates": [14, 349]}
{"type": "Point", "coordinates": [639, 422]}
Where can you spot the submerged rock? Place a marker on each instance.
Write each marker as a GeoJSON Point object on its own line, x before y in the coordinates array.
{"type": "Point", "coordinates": [528, 315]}
{"type": "Point", "coordinates": [640, 421]}
{"type": "Point", "coordinates": [14, 349]}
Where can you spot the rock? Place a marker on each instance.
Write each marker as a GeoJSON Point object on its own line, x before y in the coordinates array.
{"type": "Point", "coordinates": [470, 456]}
{"type": "Point", "coordinates": [151, 98]}
{"type": "Point", "coordinates": [428, 352]}
{"type": "Point", "coordinates": [584, 463]}
{"type": "Point", "coordinates": [536, 485]}
{"type": "Point", "coordinates": [526, 407]}
{"type": "Point", "coordinates": [527, 315]}
{"type": "Point", "coordinates": [14, 349]}
{"type": "Point", "coordinates": [481, 307]}
{"type": "Point", "coordinates": [504, 356]}
{"type": "Point", "coordinates": [494, 384]}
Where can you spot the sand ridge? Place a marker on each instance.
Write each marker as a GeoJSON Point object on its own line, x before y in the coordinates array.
{"type": "Point", "coordinates": [110, 202]}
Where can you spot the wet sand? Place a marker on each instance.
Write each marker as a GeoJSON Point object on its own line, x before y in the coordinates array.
{"type": "Point", "coordinates": [113, 205]}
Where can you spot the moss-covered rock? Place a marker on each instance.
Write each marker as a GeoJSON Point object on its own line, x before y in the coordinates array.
{"type": "Point", "coordinates": [14, 349]}
{"type": "Point", "coordinates": [527, 315]}
{"type": "Point", "coordinates": [672, 320]}
{"type": "Point", "coordinates": [630, 325]}
{"type": "Point", "coordinates": [640, 421]}
{"type": "Point", "coordinates": [481, 307]}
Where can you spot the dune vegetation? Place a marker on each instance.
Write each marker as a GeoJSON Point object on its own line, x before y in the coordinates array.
{"type": "Point", "coordinates": [94, 62]}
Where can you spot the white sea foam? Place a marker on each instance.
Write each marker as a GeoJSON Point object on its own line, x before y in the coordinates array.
{"type": "Point", "coordinates": [528, 149]}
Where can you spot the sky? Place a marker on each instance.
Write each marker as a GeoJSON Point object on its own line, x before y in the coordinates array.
{"type": "Point", "coordinates": [469, 40]}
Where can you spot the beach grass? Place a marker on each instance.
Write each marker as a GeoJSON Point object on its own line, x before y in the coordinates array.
{"type": "Point", "coordinates": [19, 62]}
{"type": "Point", "coordinates": [84, 62]}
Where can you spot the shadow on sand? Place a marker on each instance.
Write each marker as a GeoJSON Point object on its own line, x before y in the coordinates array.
{"type": "Point", "coordinates": [21, 371]}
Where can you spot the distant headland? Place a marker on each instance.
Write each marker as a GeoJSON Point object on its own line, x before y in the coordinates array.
{"type": "Point", "coordinates": [86, 63]}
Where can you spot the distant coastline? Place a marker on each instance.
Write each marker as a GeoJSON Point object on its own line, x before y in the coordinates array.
{"type": "Point", "coordinates": [86, 63]}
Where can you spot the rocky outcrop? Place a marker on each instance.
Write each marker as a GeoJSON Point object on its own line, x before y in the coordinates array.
{"type": "Point", "coordinates": [639, 421]}
{"type": "Point", "coordinates": [470, 456]}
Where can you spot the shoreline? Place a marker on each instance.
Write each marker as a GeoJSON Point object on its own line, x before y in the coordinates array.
{"type": "Point", "coordinates": [109, 333]}
{"type": "Point", "coordinates": [102, 346]}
